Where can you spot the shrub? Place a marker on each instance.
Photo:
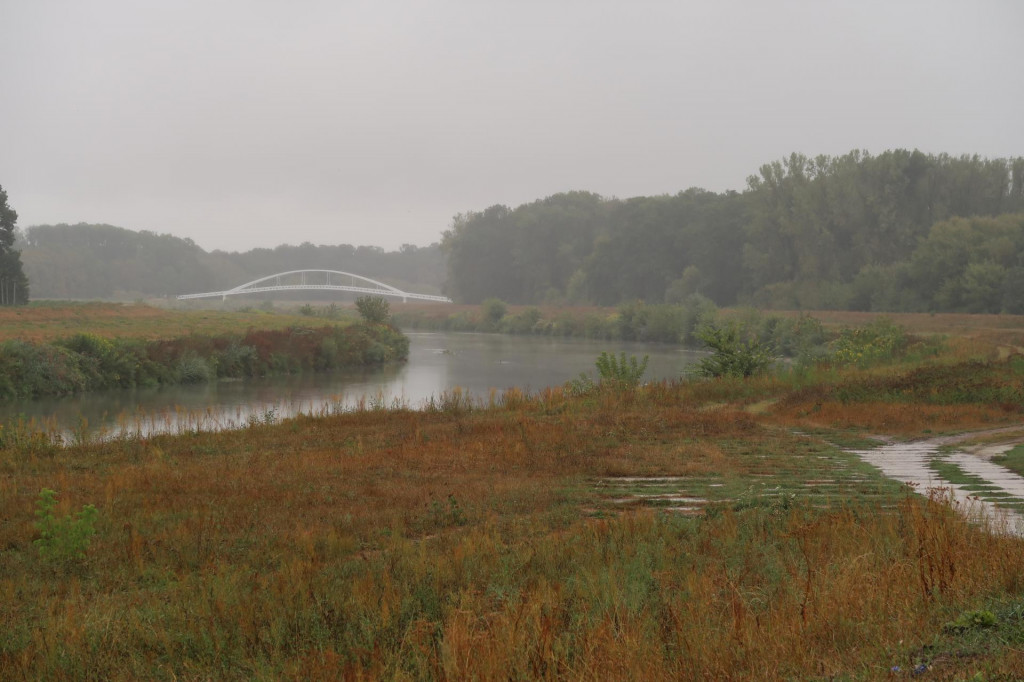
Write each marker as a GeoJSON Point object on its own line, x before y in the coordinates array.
{"type": "Point", "coordinates": [620, 373]}
{"type": "Point", "coordinates": [65, 538]}
{"type": "Point", "coordinates": [37, 370]}
{"type": "Point", "coordinates": [193, 369]}
{"type": "Point", "coordinates": [734, 353]}
{"type": "Point", "coordinates": [236, 360]}
{"type": "Point", "coordinates": [879, 341]}
{"type": "Point", "coordinates": [373, 309]}
{"type": "Point", "coordinates": [523, 323]}
{"type": "Point", "coordinates": [493, 309]}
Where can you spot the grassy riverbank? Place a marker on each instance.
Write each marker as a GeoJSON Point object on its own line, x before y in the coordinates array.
{"type": "Point", "coordinates": [696, 530]}
{"type": "Point", "coordinates": [127, 347]}
{"type": "Point", "coordinates": [787, 331]}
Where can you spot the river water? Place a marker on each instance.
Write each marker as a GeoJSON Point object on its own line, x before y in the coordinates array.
{"type": "Point", "coordinates": [438, 362]}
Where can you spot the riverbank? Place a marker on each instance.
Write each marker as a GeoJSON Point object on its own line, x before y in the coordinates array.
{"type": "Point", "coordinates": [84, 361]}
{"type": "Point", "coordinates": [686, 530]}
{"type": "Point", "coordinates": [676, 323]}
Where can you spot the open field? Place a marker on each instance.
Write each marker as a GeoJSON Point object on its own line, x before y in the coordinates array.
{"type": "Point", "coordinates": [46, 321]}
{"type": "Point", "coordinates": [698, 530]}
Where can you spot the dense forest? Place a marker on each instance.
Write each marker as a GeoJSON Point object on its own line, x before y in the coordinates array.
{"type": "Point", "coordinates": [901, 231]}
{"type": "Point", "coordinates": [107, 262]}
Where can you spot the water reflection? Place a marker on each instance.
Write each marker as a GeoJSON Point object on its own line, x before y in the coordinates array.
{"type": "Point", "coordinates": [438, 362]}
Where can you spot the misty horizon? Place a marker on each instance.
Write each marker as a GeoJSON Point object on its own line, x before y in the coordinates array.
{"type": "Point", "coordinates": [246, 126]}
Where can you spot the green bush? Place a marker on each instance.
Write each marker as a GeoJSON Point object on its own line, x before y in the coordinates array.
{"type": "Point", "coordinates": [803, 338]}
{"type": "Point", "coordinates": [880, 341]}
{"type": "Point", "coordinates": [236, 360]}
{"type": "Point", "coordinates": [523, 323]}
{"type": "Point", "coordinates": [193, 369]}
{"type": "Point", "coordinates": [734, 352]}
{"type": "Point", "coordinates": [620, 372]}
{"type": "Point", "coordinates": [493, 309]}
{"type": "Point", "coordinates": [37, 370]}
{"type": "Point", "coordinates": [373, 309]}
{"type": "Point", "coordinates": [65, 538]}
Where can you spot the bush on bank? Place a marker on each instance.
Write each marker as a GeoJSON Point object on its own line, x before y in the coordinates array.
{"type": "Point", "coordinates": [85, 362]}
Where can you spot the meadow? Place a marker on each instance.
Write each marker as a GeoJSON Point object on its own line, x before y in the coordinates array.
{"type": "Point", "coordinates": [712, 529]}
{"type": "Point", "coordinates": [44, 321]}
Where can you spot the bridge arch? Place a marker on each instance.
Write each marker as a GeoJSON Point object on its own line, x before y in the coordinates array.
{"type": "Point", "coordinates": [261, 285]}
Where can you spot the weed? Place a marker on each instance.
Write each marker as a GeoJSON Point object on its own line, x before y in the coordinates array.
{"type": "Point", "coordinates": [620, 373]}
{"type": "Point", "coordinates": [580, 386]}
{"type": "Point", "coordinates": [66, 538]}
{"type": "Point", "coordinates": [268, 417]}
{"type": "Point", "coordinates": [972, 620]}
{"type": "Point", "coordinates": [450, 514]}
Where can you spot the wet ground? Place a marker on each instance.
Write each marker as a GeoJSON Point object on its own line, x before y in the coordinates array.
{"type": "Point", "coordinates": [959, 463]}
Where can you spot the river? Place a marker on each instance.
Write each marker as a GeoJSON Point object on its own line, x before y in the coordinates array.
{"type": "Point", "coordinates": [438, 362]}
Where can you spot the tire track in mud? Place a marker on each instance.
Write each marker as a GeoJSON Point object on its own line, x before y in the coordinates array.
{"type": "Point", "coordinates": [912, 463]}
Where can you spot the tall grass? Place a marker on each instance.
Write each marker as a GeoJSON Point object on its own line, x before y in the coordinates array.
{"type": "Point", "coordinates": [471, 540]}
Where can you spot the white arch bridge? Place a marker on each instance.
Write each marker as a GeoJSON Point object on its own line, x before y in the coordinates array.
{"type": "Point", "coordinates": [318, 280]}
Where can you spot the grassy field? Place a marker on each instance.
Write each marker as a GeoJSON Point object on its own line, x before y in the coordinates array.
{"type": "Point", "coordinates": [46, 321]}
{"type": "Point", "coordinates": [697, 530]}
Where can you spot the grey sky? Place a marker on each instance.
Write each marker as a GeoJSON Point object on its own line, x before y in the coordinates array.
{"type": "Point", "coordinates": [243, 123]}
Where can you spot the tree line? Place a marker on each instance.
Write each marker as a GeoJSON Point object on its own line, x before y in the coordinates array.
{"type": "Point", "coordinates": [900, 231]}
{"type": "Point", "coordinates": [108, 262]}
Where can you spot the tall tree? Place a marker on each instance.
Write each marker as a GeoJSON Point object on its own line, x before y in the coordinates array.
{"type": "Point", "coordinates": [13, 283]}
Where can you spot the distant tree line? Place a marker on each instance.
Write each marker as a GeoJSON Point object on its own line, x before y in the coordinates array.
{"type": "Point", "coordinates": [107, 262]}
{"type": "Point", "coordinates": [900, 231]}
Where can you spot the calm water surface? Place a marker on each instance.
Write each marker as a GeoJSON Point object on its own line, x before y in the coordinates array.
{"type": "Point", "coordinates": [438, 362]}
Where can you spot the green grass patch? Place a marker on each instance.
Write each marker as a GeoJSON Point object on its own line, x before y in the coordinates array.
{"type": "Point", "coordinates": [1012, 460]}
{"type": "Point", "coordinates": [952, 473]}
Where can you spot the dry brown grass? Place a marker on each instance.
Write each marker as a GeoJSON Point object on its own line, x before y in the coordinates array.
{"type": "Point", "coordinates": [453, 545]}
{"type": "Point", "coordinates": [40, 323]}
{"type": "Point", "coordinates": [475, 544]}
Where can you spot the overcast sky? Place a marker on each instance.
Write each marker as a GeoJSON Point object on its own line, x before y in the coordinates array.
{"type": "Point", "coordinates": [244, 123]}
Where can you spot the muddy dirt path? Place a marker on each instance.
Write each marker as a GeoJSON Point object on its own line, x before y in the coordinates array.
{"type": "Point", "coordinates": [992, 490]}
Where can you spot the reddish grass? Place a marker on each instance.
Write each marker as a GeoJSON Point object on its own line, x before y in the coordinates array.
{"type": "Point", "coordinates": [48, 322]}
{"type": "Point", "coordinates": [329, 548]}
{"type": "Point", "coordinates": [455, 544]}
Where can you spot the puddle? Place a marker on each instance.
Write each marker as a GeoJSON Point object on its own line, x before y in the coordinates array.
{"type": "Point", "coordinates": [643, 479]}
{"type": "Point", "coordinates": [679, 499]}
{"type": "Point", "coordinates": [910, 463]}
